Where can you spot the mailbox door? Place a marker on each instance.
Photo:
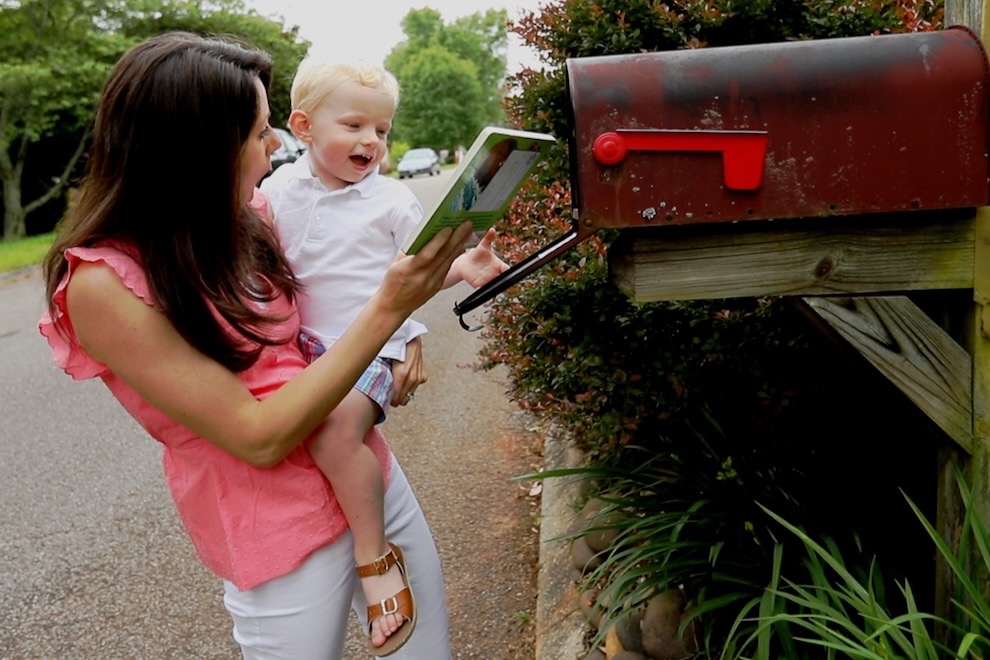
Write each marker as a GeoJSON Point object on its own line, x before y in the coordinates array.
{"type": "Point", "coordinates": [797, 129]}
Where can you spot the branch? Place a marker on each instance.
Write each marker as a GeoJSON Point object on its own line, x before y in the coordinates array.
{"type": "Point", "coordinates": [22, 148]}
{"type": "Point", "coordinates": [64, 178]}
{"type": "Point", "coordinates": [6, 167]}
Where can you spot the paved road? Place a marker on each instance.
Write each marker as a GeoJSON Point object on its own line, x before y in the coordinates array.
{"type": "Point", "coordinates": [95, 564]}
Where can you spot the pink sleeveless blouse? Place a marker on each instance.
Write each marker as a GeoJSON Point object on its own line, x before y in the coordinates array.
{"type": "Point", "coordinates": [248, 524]}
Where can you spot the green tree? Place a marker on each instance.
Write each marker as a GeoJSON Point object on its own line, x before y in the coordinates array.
{"type": "Point", "coordinates": [423, 28]}
{"type": "Point", "coordinates": [442, 100]}
{"type": "Point", "coordinates": [233, 19]}
{"type": "Point", "coordinates": [54, 55]}
{"type": "Point", "coordinates": [451, 76]}
{"type": "Point", "coordinates": [482, 39]}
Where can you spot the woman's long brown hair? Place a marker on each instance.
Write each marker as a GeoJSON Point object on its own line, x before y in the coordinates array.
{"type": "Point", "coordinates": [162, 178]}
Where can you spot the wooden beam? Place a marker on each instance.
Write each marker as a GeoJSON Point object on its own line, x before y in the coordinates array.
{"type": "Point", "coordinates": [868, 254]}
{"type": "Point", "coordinates": [972, 13]}
{"type": "Point", "coordinates": [912, 351]}
{"type": "Point", "coordinates": [975, 465]}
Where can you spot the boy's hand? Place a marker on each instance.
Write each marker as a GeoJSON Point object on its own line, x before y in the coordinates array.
{"type": "Point", "coordinates": [478, 265]}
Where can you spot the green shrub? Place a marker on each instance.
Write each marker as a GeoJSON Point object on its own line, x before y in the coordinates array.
{"type": "Point", "coordinates": [575, 347]}
{"type": "Point", "coordinates": [632, 382]}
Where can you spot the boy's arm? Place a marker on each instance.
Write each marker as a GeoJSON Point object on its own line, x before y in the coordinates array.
{"type": "Point", "coordinates": [477, 266]}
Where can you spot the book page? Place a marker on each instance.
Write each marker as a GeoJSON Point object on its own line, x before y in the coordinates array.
{"type": "Point", "coordinates": [483, 187]}
{"type": "Point", "coordinates": [505, 181]}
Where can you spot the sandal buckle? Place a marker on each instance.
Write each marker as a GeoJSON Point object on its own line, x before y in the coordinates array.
{"type": "Point", "coordinates": [390, 605]}
{"type": "Point", "coordinates": [382, 564]}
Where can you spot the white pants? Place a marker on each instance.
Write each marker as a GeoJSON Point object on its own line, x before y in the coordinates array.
{"type": "Point", "coordinates": [303, 615]}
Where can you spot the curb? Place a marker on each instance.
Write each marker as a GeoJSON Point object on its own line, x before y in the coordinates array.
{"type": "Point", "coordinates": [19, 273]}
{"type": "Point", "coordinates": [560, 625]}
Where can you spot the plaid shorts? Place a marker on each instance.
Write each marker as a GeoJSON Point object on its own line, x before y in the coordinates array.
{"type": "Point", "coordinates": [376, 382]}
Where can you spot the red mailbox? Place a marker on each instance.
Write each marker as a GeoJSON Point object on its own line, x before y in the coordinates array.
{"type": "Point", "coordinates": [830, 127]}
{"type": "Point", "coordinates": [796, 129]}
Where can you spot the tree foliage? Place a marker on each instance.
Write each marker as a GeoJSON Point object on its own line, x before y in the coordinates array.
{"type": "Point", "coordinates": [54, 57]}
{"type": "Point", "coordinates": [451, 76]}
{"type": "Point", "coordinates": [558, 329]}
{"type": "Point", "coordinates": [232, 19]}
{"type": "Point", "coordinates": [442, 100]}
{"type": "Point", "coordinates": [482, 39]}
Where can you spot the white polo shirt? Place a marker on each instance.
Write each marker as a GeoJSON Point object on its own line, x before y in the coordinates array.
{"type": "Point", "coordinates": [340, 243]}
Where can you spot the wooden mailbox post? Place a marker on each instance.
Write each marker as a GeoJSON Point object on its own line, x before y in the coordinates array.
{"type": "Point", "coordinates": [847, 174]}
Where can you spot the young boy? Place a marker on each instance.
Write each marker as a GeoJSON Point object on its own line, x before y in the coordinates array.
{"type": "Point", "coordinates": [340, 223]}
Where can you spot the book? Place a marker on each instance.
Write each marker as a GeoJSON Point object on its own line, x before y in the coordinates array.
{"type": "Point", "coordinates": [484, 183]}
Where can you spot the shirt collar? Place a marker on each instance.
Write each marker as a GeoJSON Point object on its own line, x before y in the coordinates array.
{"type": "Point", "coordinates": [303, 171]}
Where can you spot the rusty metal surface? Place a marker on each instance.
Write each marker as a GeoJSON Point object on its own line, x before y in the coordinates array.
{"type": "Point", "coordinates": [853, 126]}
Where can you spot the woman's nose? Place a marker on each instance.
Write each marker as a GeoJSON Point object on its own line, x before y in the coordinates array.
{"type": "Point", "coordinates": [273, 143]}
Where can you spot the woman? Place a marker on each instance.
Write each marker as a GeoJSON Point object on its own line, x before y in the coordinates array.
{"type": "Point", "coordinates": [184, 307]}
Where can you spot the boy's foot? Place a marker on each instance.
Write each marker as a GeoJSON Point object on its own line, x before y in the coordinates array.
{"type": "Point", "coordinates": [391, 608]}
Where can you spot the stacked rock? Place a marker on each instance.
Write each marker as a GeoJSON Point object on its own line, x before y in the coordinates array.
{"type": "Point", "coordinates": [645, 633]}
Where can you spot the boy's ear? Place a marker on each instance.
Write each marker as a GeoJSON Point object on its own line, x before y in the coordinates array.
{"type": "Point", "coordinates": [300, 126]}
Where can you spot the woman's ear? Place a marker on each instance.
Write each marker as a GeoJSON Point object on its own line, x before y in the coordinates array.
{"type": "Point", "coordinates": [300, 126]}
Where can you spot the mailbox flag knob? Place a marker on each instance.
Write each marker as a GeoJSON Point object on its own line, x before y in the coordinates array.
{"type": "Point", "coordinates": [743, 152]}
{"type": "Point", "coordinates": [609, 149]}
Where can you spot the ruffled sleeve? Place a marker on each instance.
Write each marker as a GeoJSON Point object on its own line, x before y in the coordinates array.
{"type": "Point", "coordinates": [260, 205]}
{"type": "Point", "coordinates": [57, 327]}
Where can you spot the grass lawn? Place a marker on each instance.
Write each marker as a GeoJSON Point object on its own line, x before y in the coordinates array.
{"type": "Point", "coordinates": [24, 252]}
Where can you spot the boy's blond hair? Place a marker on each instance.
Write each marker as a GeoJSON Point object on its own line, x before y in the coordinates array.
{"type": "Point", "coordinates": [317, 79]}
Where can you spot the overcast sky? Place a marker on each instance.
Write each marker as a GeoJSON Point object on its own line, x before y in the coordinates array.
{"type": "Point", "coordinates": [369, 29]}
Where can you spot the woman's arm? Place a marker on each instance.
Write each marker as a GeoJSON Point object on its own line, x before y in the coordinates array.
{"type": "Point", "coordinates": [140, 346]}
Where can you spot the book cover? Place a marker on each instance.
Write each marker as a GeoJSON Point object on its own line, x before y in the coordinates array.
{"type": "Point", "coordinates": [484, 183]}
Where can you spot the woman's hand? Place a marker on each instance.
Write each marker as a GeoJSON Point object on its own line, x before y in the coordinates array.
{"type": "Point", "coordinates": [411, 280]}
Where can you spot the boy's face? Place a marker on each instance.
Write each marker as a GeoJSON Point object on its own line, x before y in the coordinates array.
{"type": "Point", "coordinates": [347, 135]}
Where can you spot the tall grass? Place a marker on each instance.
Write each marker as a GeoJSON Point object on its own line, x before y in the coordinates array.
{"type": "Point", "coordinates": [843, 614]}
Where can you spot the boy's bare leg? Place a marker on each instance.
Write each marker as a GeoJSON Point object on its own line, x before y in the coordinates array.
{"type": "Point", "coordinates": [339, 451]}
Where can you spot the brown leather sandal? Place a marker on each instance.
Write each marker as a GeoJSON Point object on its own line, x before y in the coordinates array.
{"type": "Point", "coordinates": [402, 604]}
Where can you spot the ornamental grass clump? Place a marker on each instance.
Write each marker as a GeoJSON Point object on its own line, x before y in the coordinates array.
{"type": "Point", "coordinates": [760, 587]}
{"type": "Point", "coordinates": [835, 611]}
{"type": "Point", "coordinates": [682, 516]}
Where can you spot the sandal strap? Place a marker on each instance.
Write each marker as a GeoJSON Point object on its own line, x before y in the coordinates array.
{"type": "Point", "coordinates": [400, 604]}
{"type": "Point", "coordinates": [379, 566]}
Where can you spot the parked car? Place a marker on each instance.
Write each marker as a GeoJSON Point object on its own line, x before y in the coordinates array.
{"type": "Point", "coordinates": [290, 150]}
{"type": "Point", "coordinates": [418, 161]}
